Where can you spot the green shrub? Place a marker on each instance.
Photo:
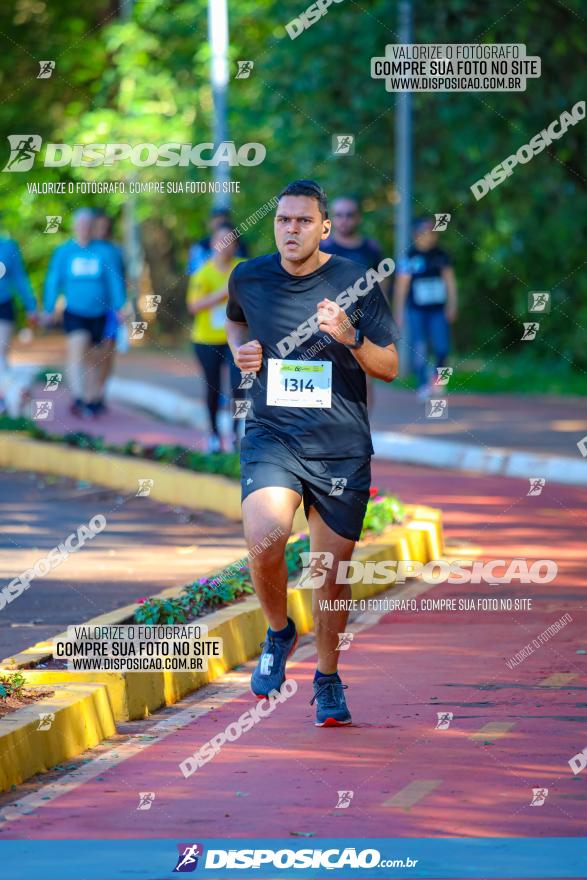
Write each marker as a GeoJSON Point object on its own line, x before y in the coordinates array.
{"type": "Point", "coordinates": [11, 684]}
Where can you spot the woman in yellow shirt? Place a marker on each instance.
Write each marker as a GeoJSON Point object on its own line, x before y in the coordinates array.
{"type": "Point", "coordinates": [206, 300]}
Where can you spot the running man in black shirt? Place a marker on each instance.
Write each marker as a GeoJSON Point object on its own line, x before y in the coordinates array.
{"type": "Point", "coordinates": [426, 293]}
{"type": "Point", "coordinates": [309, 326]}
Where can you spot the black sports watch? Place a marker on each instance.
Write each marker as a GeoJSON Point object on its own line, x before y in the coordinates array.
{"type": "Point", "coordinates": [359, 339]}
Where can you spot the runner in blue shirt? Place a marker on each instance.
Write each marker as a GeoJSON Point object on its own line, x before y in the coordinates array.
{"type": "Point", "coordinates": [81, 270]}
{"type": "Point", "coordinates": [14, 281]}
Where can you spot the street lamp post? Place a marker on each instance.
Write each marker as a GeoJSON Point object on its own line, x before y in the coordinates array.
{"type": "Point", "coordinates": [403, 167]}
{"type": "Point", "coordinates": [218, 39]}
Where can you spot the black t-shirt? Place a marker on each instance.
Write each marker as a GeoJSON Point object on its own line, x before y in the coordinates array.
{"type": "Point", "coordinates": [274, 304]}
{"type": "Point", "coordinates": [367, 254]}
{"type": "Point", "coordinates": [427, 287]}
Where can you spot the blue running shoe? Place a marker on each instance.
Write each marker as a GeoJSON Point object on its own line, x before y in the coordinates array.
{"type": "Point", "coordinates": [269, 674]}
{"type": "Point", "coordinates": [331, 707]}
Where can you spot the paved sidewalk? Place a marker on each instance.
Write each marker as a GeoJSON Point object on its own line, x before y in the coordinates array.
{"type": "Point", "coordinates": [145, 548]}
{"type": "Point", "coordinates": [512, 729]}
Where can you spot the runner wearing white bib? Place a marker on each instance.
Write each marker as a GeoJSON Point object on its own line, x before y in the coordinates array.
{"type": "Point", "coordinates": [309, 326]}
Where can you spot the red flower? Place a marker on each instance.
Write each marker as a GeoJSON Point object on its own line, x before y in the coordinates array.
{"type": "Point", "coordinates": [373, 491]}
{"type": "Point", "coordinates": [140, 601]}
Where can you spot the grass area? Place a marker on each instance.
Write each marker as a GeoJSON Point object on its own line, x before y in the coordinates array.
{"type": "Point", "coordinates": [509, 376]}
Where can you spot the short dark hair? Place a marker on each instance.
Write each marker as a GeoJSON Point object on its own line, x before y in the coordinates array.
{"type": "Point", "coordinates": [349, 197]}
{"type": "Point", "coordinates": [420, 222]}
{"type": "Point", "coordinates": [307, 188]}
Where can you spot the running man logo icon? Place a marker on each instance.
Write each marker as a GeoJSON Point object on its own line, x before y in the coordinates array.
{"type": "Point", "coordinates": [344, 799]}
{"type": "Point", "coordinates": [152, 300]}
{"type": "Point", "coordinates": [343, 144]}
{"type": "Point", "coordinates": [46, 68]}
{"type": "Point", "coordinates": [582, 446]}
{"type": "Point", "coordinates": [245, 68]}
{"type": "Point", "coordinates": [444, 374]}
{"type": "Point", "coordinates": [145, 487]}
{"type": "Point", "coordinates": [441, 222]}
{"type": "Point", "coordinates": [52, 224]}
{"type": "Point", "coordinates": [42, 410]}
{"type": "Point", "coordinates": [138, 329]}
{"type": "Point", "coordinates": [241, 408]}
{"type": "Point", "coordinates": [444, 719]}
{"type": "Point", "coordinates": [146, 799]}
{"type": "Point", "coordinates": [46, 719]}
{"type": "Point", "coordinates": [338, 485]}
{"type": "Point", "coordinates": [536, 486]}
{"type": "Point", "coordinates": [52, 381]}
{"type": "Point", "coordinates": [247, 380]}
{"type": "Point", "coordinates": [344, 641]}
{"type": "Point", "coordinates": [530, 331]}
{"type": "Point", "coordinates": [189, 854]}
{"type": "Point", "coordinates": [437, 409]}
{"type": "Point", "coordinates": [23, 149]}
{"type": "Point", "coordinates": [539, 301]}
{"type": "Point", "coordinates": [316, 565]}
{"type": "Point", "coordinates": [539, 795]}
{"type": "Point", "coordinates": [266, 664]}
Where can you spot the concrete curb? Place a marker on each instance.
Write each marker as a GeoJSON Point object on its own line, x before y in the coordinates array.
{"type": "Point", "coordinates": [393, 446]}
{"type": "Point", "coordinates": [481, 459]}
{"type": "Point", "coordinates": [83, 718]}
{"type": "Point", "coordinates": [172, 485]}
{"type": "Point", "coordinates": [241, 627]}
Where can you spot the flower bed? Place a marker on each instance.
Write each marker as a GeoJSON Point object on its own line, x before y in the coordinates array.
{"type": "Point", "coordinates": [224, 463]}
{"type": "Point", "coordinates": [13, 695]}
{"type": "Point", "coordinates": [234, 582]}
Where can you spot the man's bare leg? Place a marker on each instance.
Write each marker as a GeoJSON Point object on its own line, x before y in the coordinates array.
{"type": "Point", "coordinates": [328, 624]}
{"type": "Point", "coordinates": [267, 512]}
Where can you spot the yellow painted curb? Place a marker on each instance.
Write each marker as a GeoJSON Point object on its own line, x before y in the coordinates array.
{"type": "Point", "coordinates": [241, 626]}
{"type": "Point", "coordinates": [171, 485]}
{"type": "Point", "coordinates": [83, 718]}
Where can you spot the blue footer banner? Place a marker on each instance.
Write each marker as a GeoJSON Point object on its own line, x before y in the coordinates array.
{"type": "Point", "coordinates": [454, 858]}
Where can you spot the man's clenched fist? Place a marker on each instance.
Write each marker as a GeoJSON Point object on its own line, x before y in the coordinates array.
{"type": "Point", "coordinates": [249, 356]}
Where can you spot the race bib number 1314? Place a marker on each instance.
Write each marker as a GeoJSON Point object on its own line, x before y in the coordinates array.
{"type": "Point", "coordinates": [299, 383]}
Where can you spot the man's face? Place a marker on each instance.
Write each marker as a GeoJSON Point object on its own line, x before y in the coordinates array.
{"type": "Point", "coordinates": [425, 238]}
{"type": "Point", "coordinates": [101, 228]}
{"type": "Point", "coordinates": [299, 227]}
{"type": "Point", "coordinates": [224, 243]}
{"type": "Point", "coordinates": [345, 216]}
{"type": "Point", "coordinates": [82, 228]}
{"type": "Point", "coordinates": [217, 221]}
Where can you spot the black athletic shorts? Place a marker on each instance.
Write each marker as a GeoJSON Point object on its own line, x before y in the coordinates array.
{"type": "Point", "coordinates": [337, 487]}
{"type": "Point", "coordinates": [94, 326]}
{"type": "Point", "coordinates": [7, 311]}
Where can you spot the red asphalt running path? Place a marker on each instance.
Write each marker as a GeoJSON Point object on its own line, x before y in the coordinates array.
{"type": "Point", "coordinates": [513, 729]}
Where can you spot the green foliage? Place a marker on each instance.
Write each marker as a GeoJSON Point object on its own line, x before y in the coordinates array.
{"type": "Point", "coordinates": [382, 511]}
{"type": "Point", "coordinates": [11, 684]}
{"type": "Point", "coordinates": [146, 79]}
